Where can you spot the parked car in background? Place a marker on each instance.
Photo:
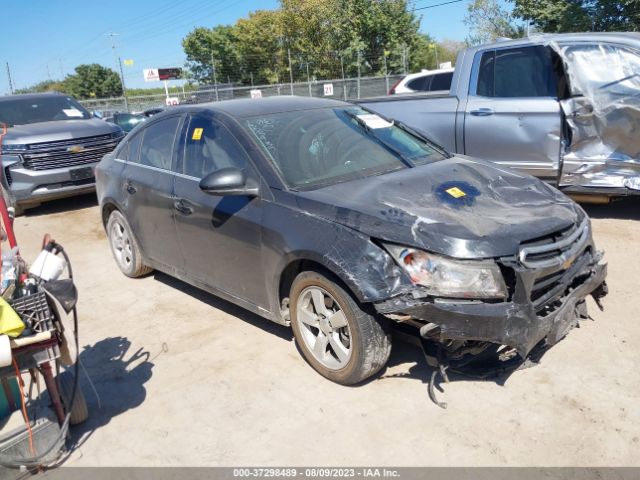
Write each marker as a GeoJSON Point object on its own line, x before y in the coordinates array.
{"type": "Point", "coordinates": [319, 214]}
{"type": "Point", "coordinates": [424, 81]}
{"type": "Point", "coordinates": [565, 108]}
{"type": "Point", "coordinates": [51, 147]}
{"type": "Point", "coordinates": [126, 121]}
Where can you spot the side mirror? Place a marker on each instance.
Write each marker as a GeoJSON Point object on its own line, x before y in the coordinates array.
{"type": "Point", "coordinates": [228, 182]}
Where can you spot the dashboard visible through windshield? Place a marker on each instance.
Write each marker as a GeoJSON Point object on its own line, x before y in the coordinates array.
{"type": "Point", "coordinates": [313, 148]}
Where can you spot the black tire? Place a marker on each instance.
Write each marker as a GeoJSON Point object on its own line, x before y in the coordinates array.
{"type": "Point", "coordinates": [79, 410]}
{"type": "Point", "coordinates": [134, 267]}
{"type": "Point", "coordinates": [370, 340]}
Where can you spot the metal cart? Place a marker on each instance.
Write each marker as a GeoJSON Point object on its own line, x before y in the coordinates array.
{"type": "Point", "coordinates": [39, 350]}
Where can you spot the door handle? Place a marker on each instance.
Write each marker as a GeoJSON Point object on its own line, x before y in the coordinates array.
{"type": "Point", "coordinates": [131, 188]}
{"type": "Point", "coordinates": [182, 207]}
{"type": "Point", "coordinates": [482, 112]}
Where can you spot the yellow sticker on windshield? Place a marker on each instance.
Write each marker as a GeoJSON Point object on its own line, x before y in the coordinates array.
{"type": "Point", "coordinates": [455, 192]}
{"type": "Point", "coordinates": [197, 134]}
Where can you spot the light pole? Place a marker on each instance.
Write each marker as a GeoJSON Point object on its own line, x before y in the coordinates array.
{"type": "Point", "coordinates": [124, 88]}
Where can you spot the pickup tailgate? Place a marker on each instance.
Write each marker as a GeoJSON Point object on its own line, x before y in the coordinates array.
{"type": "Point", "coordinates": [433, 115]}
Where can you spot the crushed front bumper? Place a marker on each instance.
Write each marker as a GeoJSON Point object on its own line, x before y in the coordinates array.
{"type": "Point", "coordinates": [514, 323]}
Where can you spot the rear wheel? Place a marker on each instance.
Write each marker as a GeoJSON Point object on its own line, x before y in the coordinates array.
{"type": "Point", "coordinates": [337, 337]}
{"type": "Point", "coordinates": [124, 247]}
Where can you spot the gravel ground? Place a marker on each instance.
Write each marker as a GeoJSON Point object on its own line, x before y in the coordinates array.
{"type": "Point", "coordinates": [185, 378]}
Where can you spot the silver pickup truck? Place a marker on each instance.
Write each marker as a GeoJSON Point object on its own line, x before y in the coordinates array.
{"type": "Point", "coordinates": [564, 108]}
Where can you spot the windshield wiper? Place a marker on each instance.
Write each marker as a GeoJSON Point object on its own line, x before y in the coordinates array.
{"type": "Point", "coordinates": [370, 132]}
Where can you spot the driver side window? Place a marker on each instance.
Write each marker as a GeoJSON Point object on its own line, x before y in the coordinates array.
{"type": "Point", "coordinates": [208, 147]}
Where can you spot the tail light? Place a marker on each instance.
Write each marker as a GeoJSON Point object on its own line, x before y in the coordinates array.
{"type": "Point", "coordinates": [393, 89]}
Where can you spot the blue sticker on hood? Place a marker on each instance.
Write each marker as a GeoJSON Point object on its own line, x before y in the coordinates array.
{"type": "Point", "coordinates": [458, 194]}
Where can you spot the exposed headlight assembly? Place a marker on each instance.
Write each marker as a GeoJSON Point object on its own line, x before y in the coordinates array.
{"type": "Point", "coordinates": [450, 278]}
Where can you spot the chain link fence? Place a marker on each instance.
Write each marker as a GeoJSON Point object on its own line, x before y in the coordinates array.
{"type": "Point", "coordinates": [280, 71]}
{"type": "Point", "coordinates": [340, 89]}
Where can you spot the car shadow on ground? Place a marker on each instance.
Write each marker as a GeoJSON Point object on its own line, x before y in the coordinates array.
{"type": "Point", "coordinates": [225, 306]}
{"type": "Point", "coordinates": [63, 205]}
{"type": "Point", "coordinates": [118, 376]}
{"type": "Point", "coordinates": [625, 209]}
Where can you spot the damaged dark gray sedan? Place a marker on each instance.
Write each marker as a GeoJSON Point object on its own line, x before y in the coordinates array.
{"type": "Point", "coordinates": [320, 215]}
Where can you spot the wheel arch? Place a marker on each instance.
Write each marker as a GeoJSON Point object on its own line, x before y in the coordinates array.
{"type": "Point", "coordinates": [108, 206]}
{"type": "Point", "coordinates": [293, 266]}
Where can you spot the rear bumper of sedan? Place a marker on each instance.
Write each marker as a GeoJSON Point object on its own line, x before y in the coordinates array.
{"type": "Point", "coordinates": [519, 325]}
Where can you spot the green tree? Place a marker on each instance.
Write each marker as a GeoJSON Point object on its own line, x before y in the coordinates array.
{"type": "Point", "coordinates": [260, 46]}
{"type": "Point", "coordinates": [323, 36]}
{"type": "Point", "coordinates": [93, 81]}
{"type": "Point", "coordinates": [580, 15]}
{"type": "Point", "coordinates": [204, 46]}
{"type": "Point", "coordinates": [45, 86]}
{"type": "Point", "coordinates": [487, 21]}
{"type": "Point", "coordinates": [383, 26]}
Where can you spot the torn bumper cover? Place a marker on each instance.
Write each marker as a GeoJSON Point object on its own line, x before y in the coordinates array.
{"type": "Point", "coordinates": [515, 323]}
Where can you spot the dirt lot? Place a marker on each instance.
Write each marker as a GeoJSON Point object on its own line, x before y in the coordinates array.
{"type": "Point", "coordinates": [187, 379]}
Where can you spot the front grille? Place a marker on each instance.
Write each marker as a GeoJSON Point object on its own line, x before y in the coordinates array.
{"type": "Point", "coordinates": [556, 249]}
{"type": "Point", "coordinates": [46, 156]}
{"type": "Point", "coordinates": [548, 289]}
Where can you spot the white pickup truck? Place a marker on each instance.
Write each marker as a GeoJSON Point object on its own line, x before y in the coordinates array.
{"type": "Point", "coordinates": [564, 108]}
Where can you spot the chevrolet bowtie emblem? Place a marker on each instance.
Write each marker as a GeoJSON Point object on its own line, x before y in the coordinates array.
{"type": "Point", "coordinates": [75, 149]}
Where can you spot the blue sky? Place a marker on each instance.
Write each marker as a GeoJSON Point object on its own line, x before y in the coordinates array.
{"type": "Point", "coordinates": [44, 39]}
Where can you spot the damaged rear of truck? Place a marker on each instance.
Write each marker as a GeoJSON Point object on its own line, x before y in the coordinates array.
{"type": "Point", "coordinates": [564, 108]}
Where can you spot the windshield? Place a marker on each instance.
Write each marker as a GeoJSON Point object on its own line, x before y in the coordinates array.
{"type": "Point", "coordinates": [23, 111]}
{"type": "Point", "coordinates": [320, 147]}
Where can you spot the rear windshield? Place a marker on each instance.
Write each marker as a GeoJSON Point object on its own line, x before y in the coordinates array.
{"type": "Point", "coordinates": [321, 147]}
{"type": "Point", "coordinates": [23, 111]}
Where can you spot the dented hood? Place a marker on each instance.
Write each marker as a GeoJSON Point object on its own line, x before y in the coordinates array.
{"type": "Point", "coordinates": [460, 207]}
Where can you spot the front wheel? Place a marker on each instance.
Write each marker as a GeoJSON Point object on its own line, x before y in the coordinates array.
{"type": "Point", "coordinates": [337, 337]}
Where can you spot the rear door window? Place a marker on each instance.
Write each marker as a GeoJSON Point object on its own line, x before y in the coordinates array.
{"type": "Point", "coordinates": [208, 147]}
{"type": "Point", "coordinates": [129, 151]}
{"type": "Point", "coordinates": [419, 84]}
{"type": "Point", "coordinates": [517, 72]}
{"type": "Point", "coordinates": [157, 145]}
{"type": "Point", "coordinates": [441, 81]}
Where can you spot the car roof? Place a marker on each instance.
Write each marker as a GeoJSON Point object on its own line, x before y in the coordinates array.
{"type": "Point", "coordinates": [29, 96]}
{"type": "Point", "coordinates": [428, 73]}
{"type": "Point", "coordinates": [264, 106]}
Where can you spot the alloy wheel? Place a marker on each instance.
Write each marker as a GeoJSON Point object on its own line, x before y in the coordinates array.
{"type": "Point", "coordinates": [324, 327]}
